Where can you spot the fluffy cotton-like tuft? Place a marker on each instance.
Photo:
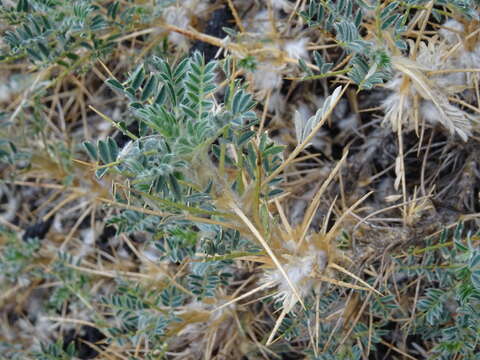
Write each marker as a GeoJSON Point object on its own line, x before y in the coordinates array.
{"type": "Point", "coordinates": [297, 49]}
{"type": "Point", "coordinates": [432, 91]}
{"type": "Point", "coordinates": [88, 241]}
{"type": "Point", "coordinates": [451, 31]}
{"type": "Point", "coordinates": [267, 78]}
{"type": "Point", "coordinates": [177, 16]}
{"type": "Point", "coordinates": [277, 102]}
{"type": "Point", "coordinates": [12, 85]}
{"type": "Point", "coordinates": [284, 5]}
{"type": "Point", "coordinates": [301, 269]}
{"type": "Point", "coordinates": [4, 92]}
{"type": "Point", "coordinates": [260, 23]}
{"type": "Point", "coordinates": [197, 7]}
{"type": "Point", "coordinates": [194, 336]}
{"type": "Point", "coordinates": [470, 59]}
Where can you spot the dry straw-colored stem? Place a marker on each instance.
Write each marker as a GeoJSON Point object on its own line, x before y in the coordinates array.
{"type": "Point", "coordinates": [268, 249]}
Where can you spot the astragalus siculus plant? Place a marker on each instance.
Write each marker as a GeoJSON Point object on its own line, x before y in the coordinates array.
{"type": "Point", "coordinates": [240, 180]}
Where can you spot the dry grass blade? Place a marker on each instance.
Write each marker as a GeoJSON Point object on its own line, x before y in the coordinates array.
{"type": "Point", "coordinates": [267, 248]}
{"type": "Point", "coordinates": [247, 294]}
{"type": "Point", "coordinates": [277, 326]}
{"type": "Point", "coordinates": [309, 214]}
{"type": "Point", "coordinates": [337, 224]}
{"type": "Point", "coordinates": [342, 283]}
{"type": "Point", "coordinates": [345, 271]}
